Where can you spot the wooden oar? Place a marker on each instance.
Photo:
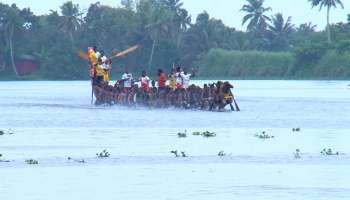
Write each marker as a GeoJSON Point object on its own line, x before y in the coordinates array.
{"type": "Point", "coordinates": [125, 52]}
{"type": "Point", "coordinates": [237, 108]}
{"type": "Point", "coordinates": [232, 108]}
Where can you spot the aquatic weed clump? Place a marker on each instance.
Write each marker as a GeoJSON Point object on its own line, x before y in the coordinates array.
{"type": "Point", "coordinates": [197, 133]}
{"type": "Point", "coordinates": [296, 129]}
{"type": "Point", "coordinates": [208, 134]}
{"type": "Point", "coordinates": [204, 134]}
{"type": "Point", "coordinates": [2, 158]}
{"type": "Point", "coordinates": [31, 162]}
{"type": "Point", "coordinates": [103, 154]}
{"type": "Point", "coordinates": [297, 154]}
{"type": "Point", "coordinates": [182, 135]}
{"type": "Point", "coordinates": [9, 132]}
{"type": "Point", "coordinates": [176, 154]}
{"type": "Point", "coordinates": [329, 152]}
{"type": "Point", "coordinates": [76, 160]}
{"type": "Point", "coordinates": [221, 154]}
{"type": "Point", "coordinates": [264, 136]}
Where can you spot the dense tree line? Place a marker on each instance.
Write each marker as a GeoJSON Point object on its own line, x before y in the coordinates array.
{"type": "Point", "coordinates": [168, 35]}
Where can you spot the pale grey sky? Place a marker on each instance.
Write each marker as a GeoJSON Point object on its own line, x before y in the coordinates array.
{"type": "Point", "coordinates": [227, 10]}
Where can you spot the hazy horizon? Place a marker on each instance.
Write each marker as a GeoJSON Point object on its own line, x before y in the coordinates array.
{"type": "Point", "coordinates": [227, 10]}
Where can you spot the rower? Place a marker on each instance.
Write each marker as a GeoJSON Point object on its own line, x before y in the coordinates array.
{"type": "Point", "coordinates": [144, 81]}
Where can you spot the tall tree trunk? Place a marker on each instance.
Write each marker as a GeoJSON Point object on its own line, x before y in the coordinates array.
{"type": "Point", "coordinates": [10, 40]}
{"type": "Point", "coordinates": [71, 38]}
{"type": "Point", "coordinates": [151, 56]}
{"type": "Point", "coordinates": [328, 26]}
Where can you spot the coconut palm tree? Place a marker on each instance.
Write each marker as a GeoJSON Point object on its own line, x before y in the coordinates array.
{"type": "Point", "coordinates": [328, 4]}
{"type": "Point", "coordinates": [279, 30]}
{"type": "Point", "coordinates": [11, 23]}
{"type": "Point", "coordinates": [71, 18]}
{"type": "Point", "coordinates": [281, 27]}
{"type": "Point", "coordinates": [255, 15]}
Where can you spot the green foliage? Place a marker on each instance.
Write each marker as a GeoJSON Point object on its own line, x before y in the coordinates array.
{"type": "Point", "coordinates": [326, 69]}
{"type": "Point", "coordinates": [246, 64]}
{"type": "Point", "coordinates": [308, 54]}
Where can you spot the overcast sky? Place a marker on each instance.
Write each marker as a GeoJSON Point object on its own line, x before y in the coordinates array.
{"type": "Point", "coordinates": [227, 10]}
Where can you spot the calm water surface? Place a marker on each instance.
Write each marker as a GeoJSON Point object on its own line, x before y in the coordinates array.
{"type": "Point", "coordinates": [54, 120]}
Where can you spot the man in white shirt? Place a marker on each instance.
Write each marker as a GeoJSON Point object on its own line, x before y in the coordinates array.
{"type": "Point", "coordinates": [179, 80]}
{"type": "Point", "coordinates": [186, 78]}
{"type": "Point", "coordinates": [127, 80]}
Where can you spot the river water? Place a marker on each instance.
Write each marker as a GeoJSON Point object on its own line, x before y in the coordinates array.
{"type": "Point", "coordinates": [55, 120]}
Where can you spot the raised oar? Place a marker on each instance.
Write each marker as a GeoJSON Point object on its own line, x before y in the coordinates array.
{"type": "Point", "coordinates": [125, 52]}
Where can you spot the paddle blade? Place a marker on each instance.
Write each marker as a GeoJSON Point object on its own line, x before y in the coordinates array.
{"type": "Point", "coordinates": [83, 55]}
{"type": "Point", "coordinates": [127, 51]}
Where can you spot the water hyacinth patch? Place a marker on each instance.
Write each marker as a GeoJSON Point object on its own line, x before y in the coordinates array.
{"type": "Point", "coordinates": [208, 134]}
{"type": "Point", "coordinates": [75, 160]}
{"type": "Point", "coordinates": [264, 136]}
{"type": "Point", "coordinates": [329, 152]}
{"type": "Point", "coordinates": [103, 154]}
{"type": "Point", "coordinates": [297, 154]}
{"type": "Point", "coordinates": [196, 133]}
{"type": "Point", "coordinates": [9, 132]}
{"type": "Point", "coordinates": [204, 134]}
{"type": "Point", "coordinates": [31, 162]}
{"type": "Point", "coordinates": [182, 135]}
{"type": "Point", "coordinates": [221, 154]}
{"type": "Point", "coordinates": [2, 159]}
{"type": "Point", "coordinates": [176, 154]}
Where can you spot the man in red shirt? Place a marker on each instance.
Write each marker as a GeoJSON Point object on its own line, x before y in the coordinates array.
{"type": "Point", "coordinates": [161, 85]}
{"type": "Point", "coordinates": [161, 79]}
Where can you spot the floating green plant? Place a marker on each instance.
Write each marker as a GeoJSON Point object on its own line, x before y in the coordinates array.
{"type": "Point", "coordinates": [103, 154]}
{"type": "Point", "coordinates": [329, 152]}
{"type": "Point", "coordinates": [9, 132]}
{"type": "Point", "coordinates": [196, 133]}
{"type": "Point", "coordinates": [75, 160]}
{"type": "Point", "coordinates": [221, 154]}
{"type": "Point", "coordinates": [175, 153]}
{"type": "Point", "coordinates": [296, 129]}
{"type": "Point", "coordinates": [263, 135]}
{"type": "Point", "coordinates": [208, 134]}
{"type": "Point", "coordinates": [31, 162]}
{"type": "Point", "coordinates": [2, 158]}
{"type": "Point", "coordinates": [297, 154]}
{"type": "Point", "coordinates": [182, 135]}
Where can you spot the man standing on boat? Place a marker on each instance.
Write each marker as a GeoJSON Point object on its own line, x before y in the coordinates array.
{"type": "Point", "coordinates": [127, 80]}
{"type": "Point", "coordinates": [186, 78]}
